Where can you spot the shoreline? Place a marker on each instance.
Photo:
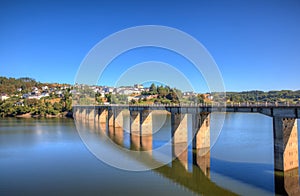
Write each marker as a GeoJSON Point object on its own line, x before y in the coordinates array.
{"type": "Point", "coordinates": [29, 115]}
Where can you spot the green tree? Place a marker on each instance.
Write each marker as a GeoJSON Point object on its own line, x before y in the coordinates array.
{"type": "Point", "coordinates": [153, 89]}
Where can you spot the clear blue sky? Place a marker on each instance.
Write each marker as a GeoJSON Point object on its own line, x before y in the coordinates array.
{"type": "Point", "coordinates": [255, 43]}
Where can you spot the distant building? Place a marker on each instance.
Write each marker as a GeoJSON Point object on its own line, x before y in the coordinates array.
{"type": "Point", "coordinates": [44, 88]}
{"type": "Point", "coordinates": [19, 103]}
{"type": "Point", "coordinates": [4, 97]}
{"type": "Point", "coordinates": [25, 96]}
{"type": "Point", "coordinates": [34, 89]}
{"type": "Point", "coordinates": [189, 93]}
{"type": "Point", "coordinates": [73, 91]}
{"type": "Point", "coordinates": [138, 86]}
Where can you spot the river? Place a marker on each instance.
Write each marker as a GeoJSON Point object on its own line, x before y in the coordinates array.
{"type": "Point", "coordinates": [48, 157]}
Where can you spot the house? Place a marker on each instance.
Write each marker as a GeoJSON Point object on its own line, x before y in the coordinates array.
{"type": "Point", "coordinates": [73, 91]}
{"type": "Point", "coordinates": [126, 92]}
{"type": "Point", "coordinates": [45, 88]}
{"type": "Point", "coordinates": [25, 96]}
{"type": "Point", "coordinates": [19, 103]}
{"type": "Point", "coordinates": [138, 86]}
{"type": "Point", "coordinates": [59, 93]}
{"type": "Point", "coordinates": [34, 89]}
{"type": "Point", "coordinates": [3, 96]}
{"type": "Point", "coordinates": [44, 94]}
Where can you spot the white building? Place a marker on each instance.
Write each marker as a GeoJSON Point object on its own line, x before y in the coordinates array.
{"type": "Point", "coordinates": [45, 88]}
{"type": "Point", "coordinates": [3, 97]}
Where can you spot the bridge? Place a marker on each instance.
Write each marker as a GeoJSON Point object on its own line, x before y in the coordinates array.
{"type": "Point", "coordinates": [285, 134]}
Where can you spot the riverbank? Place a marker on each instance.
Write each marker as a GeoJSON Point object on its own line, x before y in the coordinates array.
{"type": "Point", "coordinates": [60, 115]}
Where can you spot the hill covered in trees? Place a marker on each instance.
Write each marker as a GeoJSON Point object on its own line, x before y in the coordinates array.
{"type": "Point", "coordinates": [282, 96]}
{"type": "Point", "coordinates": [27, 97]}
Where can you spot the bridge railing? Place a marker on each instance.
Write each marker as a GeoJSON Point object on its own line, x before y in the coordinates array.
{"type": "Point", "coordinates": [242, 104]}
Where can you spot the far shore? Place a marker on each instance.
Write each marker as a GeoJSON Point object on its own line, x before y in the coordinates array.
{"type": "Point", "coordinates": [61, 115]}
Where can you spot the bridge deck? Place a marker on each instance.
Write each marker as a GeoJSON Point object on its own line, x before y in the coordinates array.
{"type": "Point", "coordinates": [286, 111]}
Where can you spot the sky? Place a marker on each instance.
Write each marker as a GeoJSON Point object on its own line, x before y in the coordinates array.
{"type": "Point", "coordinates": [255, 44]}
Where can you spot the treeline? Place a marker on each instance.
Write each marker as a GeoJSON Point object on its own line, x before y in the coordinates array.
{"type": "Point", "coordinates": [33, 107]}
{"type": "Point", "coordinates": [254, 96]}
{"type": "Point", "coordinates": [165, 94]}
{"type": "Point", "coordinates": [25, 84]}
{"type": "Point", "coordinates": [10, 85]}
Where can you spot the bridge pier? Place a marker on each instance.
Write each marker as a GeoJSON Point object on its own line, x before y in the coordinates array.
{"type": "Point", "coordinates": [146, 122]}
{"type": "Point", "coordinates": [110, 117]}
{"type": "Point", "coordinates": [179, 128]}
{"type": "Point", "coordinates": [102, 112]}
{"type": "Point", "coordinates": [135, 134]}
{"type": "Point", "coordinates": [76, 113]}
{"type": "Point", "coordinates": [201, 131]}
{"type": "Point", "coordinates": [91, 115]}
{"type": "Point", "coordinates": [135, 122]}
{"type": "Point", "coordinates": [83, 115]}
{"type": "Point", "coordinates": [118, 118]}
{"type": "Point", "coordinates": [285, 136]}
{"type": "Point", "coordinates": [201, 141]}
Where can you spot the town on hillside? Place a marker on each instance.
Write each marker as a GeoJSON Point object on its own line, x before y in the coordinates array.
{"type": "Point", "coordinates": [27, 97]}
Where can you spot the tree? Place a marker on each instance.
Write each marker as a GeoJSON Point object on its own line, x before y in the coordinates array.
{"type": "Point", "coordinates": [108, 97]}
{"type": "Point", "coordinates": [162, 91]}
{"type": "Point", "coordinates": [172, 96]}
{"type": "Point", "coordinates": [153, 89]}
{"type": "Point", "coordinates": [133, 101]}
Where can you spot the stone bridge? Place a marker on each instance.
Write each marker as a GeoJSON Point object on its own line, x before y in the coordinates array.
{"type": "Point", "coordinates": [285, 134]}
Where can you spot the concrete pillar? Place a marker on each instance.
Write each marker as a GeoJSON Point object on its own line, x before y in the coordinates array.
{"type": "Point", "coordinates": [110, 115]}
{"type": "Point", "coordinates": [285, 136]}
{"type": "Point", "coordinates": [83, 114]}
{"type": "Point", "coordinates": [118, 118]}
{"type": "Point", "coordinates": [201, 132]}
{"type": "Point", "coordinates": [79, 113]}
{"type": "Point", "coordinates": [201, 141]}
{"type": "Point", "coordinates": [146, 122]}
{"type": "Point", "coordinates": [76, 113]}
{"type": "Point", "coordinates": [179, 128]}
{"type": "Point", "coordinates": [96, 117]}
{"type": "Point", "coordinates": [91, 115]}
{"type": "Point", "coordinates": [135, 134]}
{"type": "Point", "coordinates": [103, 115]}
{"type": "Point", "coordinates": [86, 114]}
{"type": "Point", "coordinates": [135, 122]}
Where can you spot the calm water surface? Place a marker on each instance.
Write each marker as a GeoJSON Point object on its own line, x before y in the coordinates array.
{"type": "Point", "coordinates": [47, 157]}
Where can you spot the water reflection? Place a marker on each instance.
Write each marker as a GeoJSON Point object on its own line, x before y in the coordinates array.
{"type": "Point", "coordinates": [46, 154]}
{"type": "Point", "coordinates": [47, 157]}
{"type": "Point", "coordinates": [190, 169]}
{"type": "Point", "coordinates": [196, 170]}
{"type": "Point", "coordinates": [287, 183]}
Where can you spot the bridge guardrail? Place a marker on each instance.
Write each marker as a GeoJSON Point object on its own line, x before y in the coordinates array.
{"type": "Point", "coordinates": [259, 104]}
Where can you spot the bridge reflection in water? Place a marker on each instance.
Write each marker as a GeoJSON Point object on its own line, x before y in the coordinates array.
{"type": "Point", "coordinates": [196, 176]}
{"type": "Point", "coordinates": [188, 169]}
